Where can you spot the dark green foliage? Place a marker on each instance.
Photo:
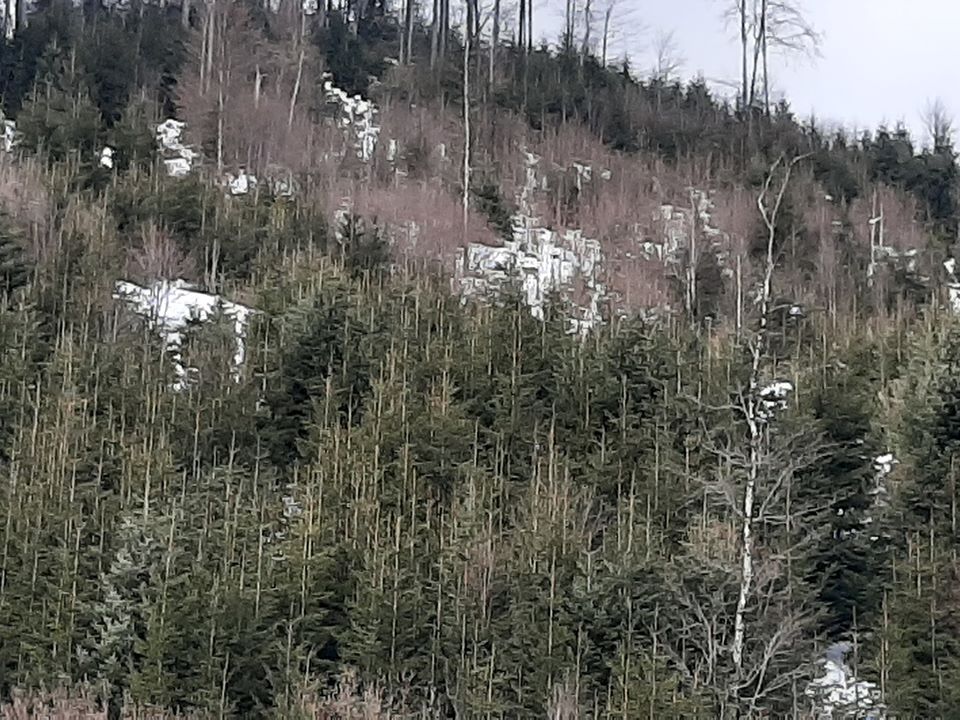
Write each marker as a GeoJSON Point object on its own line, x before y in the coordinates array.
{"type": "Point", "coordinates": [932, 435]}
{"type": "Point", "coordinates": [850, 563]}
{"type": "Point", "coordinates": [14, 268]}
{"type": "Point", "coordinates": [489, 202]}
{"type": "Point", "coordinates": [363, 246]}
{"type": "Point", "coordinates": [326, 374]}
{"type": "Point", "coordinates": [108, 57]}
{"type": "Point", "coordinates": [354, 57]}
{"type": "Point", "coordinates": [59, 120]}
{"type": "Point", "coordinates": [32, 53]}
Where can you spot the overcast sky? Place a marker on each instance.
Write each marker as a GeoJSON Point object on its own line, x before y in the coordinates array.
{"type": "Point", "coordinates": [881, 60]}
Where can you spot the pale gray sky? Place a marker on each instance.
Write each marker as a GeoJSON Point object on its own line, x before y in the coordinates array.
{"type": "Point", "coordinates": [881, 60]}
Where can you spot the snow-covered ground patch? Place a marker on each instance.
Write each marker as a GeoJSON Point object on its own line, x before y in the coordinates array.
{"type": "Point", "coordinates": [170, 305]}
{"type": "Point", "coordinates": [837, 693]}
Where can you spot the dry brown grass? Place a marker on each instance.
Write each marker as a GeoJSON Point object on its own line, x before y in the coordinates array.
{"type": "Point", "coordinates": [250, 92]}
{"type": "Point", "coordinates": [425, 221]}
{"type": "Point", "coordinates": [24, 196]}
{"type": "Point", "coordinates": [349, 699]}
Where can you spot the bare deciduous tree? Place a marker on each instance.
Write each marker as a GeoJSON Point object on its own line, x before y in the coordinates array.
{"type": "Point", "coordinates": [938, 124]}
{"type": "Point", "coordinates": [766, 26]}
{"type": "Point", "coordinates": [667, 60]}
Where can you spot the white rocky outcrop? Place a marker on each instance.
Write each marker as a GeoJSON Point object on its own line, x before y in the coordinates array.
{"type": "Point", "coordinates": [773, 397]}
{"type": "Point", "coordinates": [837, 693]}
{"type": "Point", "coordinates": [106, 158]}
{"type": "Point", "coordinates": [169, 305]}
{"type": "Point", "coordinates": [178, 158]}
{"type": "Point", "coordinates": [9, 129]}
{"type": "Point", "coordinates": [953, 285]}
{"type": "Point", "coordinates": [242, 183]}
{"type": "Point", "coordinates": [543, 261]}
{"type": "Point", "coordinates": [356, 116]}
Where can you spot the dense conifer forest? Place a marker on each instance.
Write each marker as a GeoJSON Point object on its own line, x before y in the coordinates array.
{"type": "Point", "coordinates": [377, 361]}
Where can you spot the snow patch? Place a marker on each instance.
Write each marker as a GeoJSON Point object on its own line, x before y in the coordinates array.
{"type": "Point", "coordinates": [170, 305]}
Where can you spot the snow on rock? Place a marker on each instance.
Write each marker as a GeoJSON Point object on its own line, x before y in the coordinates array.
{"type": "Point", "coordinates": [169, 305]}
{"type": "Point", "coordinates": [178, 158]}
{"type": "Point", "coordinates": [838, 693]}
{"type": "Point", "coordinates": [356, 116]}
{"type": "Point", "coordinates": [676, 225]}
{"type": "Point", "coordinates": [242, 183]}
{"type": "Point", "coordinates": [773, 397]}
{"type": "Point", "coordinates": [546, 263]}
{"type": "Point", "coordinates": [953, 285]}
{"type": "Point", "coordinates": [883, 464]}
{"type": "Point", "coordinates": [543, 261]}
{"type": "Point", "coordinates": [882, 467]}
{"type": "Point", "coordinates": [9, 134]}
{"type": "Point", "coordinates": [106, 158]}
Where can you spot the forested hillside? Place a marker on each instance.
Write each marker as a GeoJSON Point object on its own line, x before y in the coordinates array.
{"type": "Point", "coordinates": [368, 361]}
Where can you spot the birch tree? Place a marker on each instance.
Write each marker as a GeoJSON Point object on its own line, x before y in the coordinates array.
{"type": "Point", "coordinates": [741, 620]}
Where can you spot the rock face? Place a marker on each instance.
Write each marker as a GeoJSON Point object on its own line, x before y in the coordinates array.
{"type": "Point", "coordinates": [9, 130]}
{"type": "Point", "coordinates": [356, 116]}
{"type": "Point", "coordinates": [837, 693]}
{"type": "Point", "coordinates": [169, 305]}
{"type": "Point", "coordinates": [541, 260]}
{"type": "Point", "coordinates": [178, 158]}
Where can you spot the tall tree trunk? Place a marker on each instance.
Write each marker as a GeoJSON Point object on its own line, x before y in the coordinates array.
{"type": "Point", "coordinates": [296, 90]}
{"type": "Point", "coordinates": [522, 29]}
{"type": "Point", "coordinates": [587, 23]}
{"type": "Point", "coordinates": [494, 41]}
{"type": "Point", "coordinates": [769, 211]}
{"type": "Point", "coordinates": [434, 34]}
{"type": "Point", "coordinates": [466, 121]}
{"type": "Point", "coordinates": [411, 16]}
{"type": "Point", "coordinates": [744, 54]}
{"type": "Point", "coordinates": [444, 28]}
{"type": "Point", "coordinates": [529, 26]}
{"type": "Point", "coordinates": [220, 122]}
{"type": "Point", "coordinates": [766, 76]}
{"type": "Point", "coordinates": [606, 32]}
